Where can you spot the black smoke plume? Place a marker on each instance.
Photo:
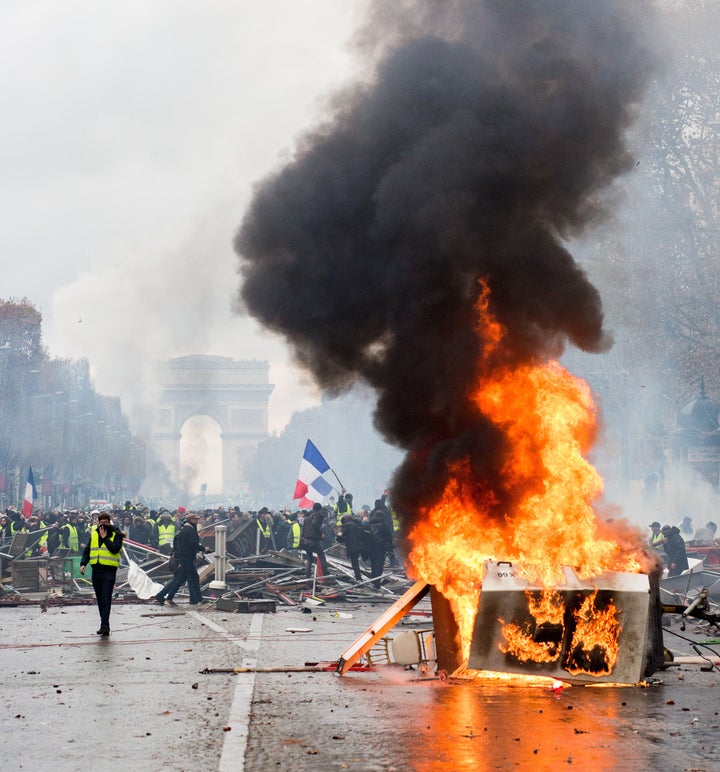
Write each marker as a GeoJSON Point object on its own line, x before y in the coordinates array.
{"type": "Point", "coordinates": [480, 142]}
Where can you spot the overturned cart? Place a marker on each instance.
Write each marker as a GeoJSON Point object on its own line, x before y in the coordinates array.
{"type": "Point", "coordinates": [603, 630]}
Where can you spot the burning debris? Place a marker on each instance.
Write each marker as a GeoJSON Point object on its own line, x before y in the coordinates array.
{"type": "Point", "coordinates": [585, 631]}
{"type": "Point", "coordinates": [416, 242]}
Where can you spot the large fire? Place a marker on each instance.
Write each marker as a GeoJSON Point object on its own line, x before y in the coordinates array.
{"type": "Point", "coordinates": [548, 608]}
{"type": "Point", "coordinates": [549, 420]}
{"type": "Point", "coordinates": [595, 638]}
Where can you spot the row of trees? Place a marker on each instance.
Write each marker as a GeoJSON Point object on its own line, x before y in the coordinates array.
{"type": "Point", "coordinates": [655, 260]}
{"type": "Point", "coordinates": [657, 264]}
{"type": "Point", "coordinates": [77, 441]}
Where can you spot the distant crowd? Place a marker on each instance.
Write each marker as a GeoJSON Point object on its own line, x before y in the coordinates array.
{"type": "Point", "coordinates": [369, 534]}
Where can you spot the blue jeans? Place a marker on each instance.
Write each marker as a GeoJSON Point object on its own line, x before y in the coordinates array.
{"type": "Point", "coordinates": [185, 572]}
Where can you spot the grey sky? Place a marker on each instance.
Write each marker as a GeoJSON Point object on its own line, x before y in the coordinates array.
{"type": "Point", "coordinates": [131, 135]}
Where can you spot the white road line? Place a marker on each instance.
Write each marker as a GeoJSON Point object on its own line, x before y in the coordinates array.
{"type": "Point", "coordinates": [235, 742]}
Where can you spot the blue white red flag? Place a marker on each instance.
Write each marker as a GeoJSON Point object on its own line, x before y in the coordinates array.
{"type": "Point", "coordinates": [30, 495]}
{"type": "Point", "coordinates": [311, 486]}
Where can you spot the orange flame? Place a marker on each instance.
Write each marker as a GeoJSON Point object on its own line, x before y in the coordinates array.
{"type": "Point", "coordinates": [595, 643]}
{"type": "Point", "coordinates": [549, 420]}
{"type": "Point", "coordinates": [547, 608]}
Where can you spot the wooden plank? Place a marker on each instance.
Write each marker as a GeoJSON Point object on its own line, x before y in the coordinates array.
{"type": "Point", "coordinates": [380, 627]}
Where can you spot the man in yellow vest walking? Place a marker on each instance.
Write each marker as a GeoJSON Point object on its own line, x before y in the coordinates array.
{"type": "Point", "coordinates": [103, 554]}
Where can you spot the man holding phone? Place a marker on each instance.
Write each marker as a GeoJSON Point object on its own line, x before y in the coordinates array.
{"type": "Point", "coordinates": [102, 552]}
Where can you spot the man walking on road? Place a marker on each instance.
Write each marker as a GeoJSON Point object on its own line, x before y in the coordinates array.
{"type": "Point", "coordinates": [187, 545]}
{"type": "Point", "coordinates": [102, 552]}
{"type": "Point", "coordinates": [311, 538]}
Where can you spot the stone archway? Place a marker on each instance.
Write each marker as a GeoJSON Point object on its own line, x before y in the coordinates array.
{"type": "Point", "coordinates": [234, 393]}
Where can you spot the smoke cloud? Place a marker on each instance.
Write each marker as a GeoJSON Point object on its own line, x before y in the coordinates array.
{"type": "Point", "coordinates": [482, 138]}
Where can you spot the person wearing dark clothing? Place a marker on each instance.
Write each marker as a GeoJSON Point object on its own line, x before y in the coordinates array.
{"type": "Point", "coordinates": [311, 538]}
{"type": "Point", "coordinates": [675, 550]}
{"type": "Point", "coordinates": [140, 531]}
{"type": "Point", "coordinates": [152, 526]}
{"type": "Point", "coordinates": [280, 529]}
{"type": "Point", "coordinates": [357, 541]}
{"type": "Point", "coordinates": [53, 537]}
{"type": "Point", "coordinates": [389, 530]}
{"type": "Point", "coordinates": [344, 507]}
{"type": "Point", "coordinates": [83, 531]}
{"type": "Point", "coordinates": [381, 542]}
{"type": "Point", "coordinates": [102, 552]}
{"type": "Point", "coordinates": [185, 550]}
{"type": "Point", "coordinates": [328, 532]}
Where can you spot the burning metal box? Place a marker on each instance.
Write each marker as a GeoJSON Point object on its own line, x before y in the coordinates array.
{"type": "Point", "coordinates": [583, 631]}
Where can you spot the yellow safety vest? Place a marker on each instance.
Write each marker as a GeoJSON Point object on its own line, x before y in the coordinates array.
{"type": "Point", "coordinates": [72, 541]}
{"type": "Point", "coordinates": [295, 535]}
{"type": "Point", "coordinates": [99, 553]}
{"type": "Point", "coordinates": [166, 534]}
{"type": "Point", "coordinates": [339, 515]}
{"type": "Point", "coordinates": [264, 529]}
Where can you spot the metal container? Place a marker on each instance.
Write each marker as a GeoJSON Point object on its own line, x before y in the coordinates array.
{"type": "Point", "coordinates": [580, 631]}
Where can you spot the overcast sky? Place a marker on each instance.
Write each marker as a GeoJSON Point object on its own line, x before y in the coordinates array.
{"type": "Point", "coordinates": [131, 135]}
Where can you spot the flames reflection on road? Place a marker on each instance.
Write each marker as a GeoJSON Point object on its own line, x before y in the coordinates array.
{"type": "Point", "coordinates": [501, 726]}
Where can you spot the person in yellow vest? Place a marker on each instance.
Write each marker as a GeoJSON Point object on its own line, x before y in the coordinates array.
{"type": "Point", "coordinates": [656, 537]}
{"type": "Point", "coordinates": [263, 522]}
{"type": "Point", "coordinates": [44, 524]}
{"type": "Point", "coordinates": [103, 554]}
{"type": "Point", "coordinates": [293, 536]}
{"type": "Point", "coordinates": [166, 533]}
{"type": "Point", "coordinates": [343, 507]}
{"type": "Point", "coordinates": [69, 533]}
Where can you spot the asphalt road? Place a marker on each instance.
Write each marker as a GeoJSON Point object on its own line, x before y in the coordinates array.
{"type": "Point", "coordinates": [139, 700]}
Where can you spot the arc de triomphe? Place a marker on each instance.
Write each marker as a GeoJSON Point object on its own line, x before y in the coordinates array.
{"type": "Point", "coordinates": [234, 393]}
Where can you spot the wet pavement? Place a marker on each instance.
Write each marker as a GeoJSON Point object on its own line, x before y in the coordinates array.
{"type": "Point", "coordinates": [140, 701]}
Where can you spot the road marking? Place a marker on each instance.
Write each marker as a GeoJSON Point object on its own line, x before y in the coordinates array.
{"type": "Point", "coordinates": [251, 645]}
{"type": "Point", "coordinates": [235, 742]}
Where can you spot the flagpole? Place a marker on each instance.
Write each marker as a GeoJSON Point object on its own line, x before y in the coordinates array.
{"type": "Point", "coordinates": [342, 487]}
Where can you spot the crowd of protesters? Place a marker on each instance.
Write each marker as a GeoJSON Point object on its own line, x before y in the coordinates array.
{"type": "Point", "coordinates": [368, 534]}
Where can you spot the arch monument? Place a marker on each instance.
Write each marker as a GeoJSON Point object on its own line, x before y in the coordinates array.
{"type": "Point", "coordinates": [234, 393]}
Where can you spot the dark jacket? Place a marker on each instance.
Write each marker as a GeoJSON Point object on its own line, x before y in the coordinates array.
{"type": "Point", "coordinates": [53, 539]}
{"type": "Point", "coordinates": [187, 543]}
{"type": "Point", "coordinates": [380, 530]}
{"type": "Point", "coordinates": [357, 540]}
{"type": "Point", "coordinates": [675, 551]}
{"type": "Point", "coordinates": [281, 527]}
{"type": "Point", "coordinates": [312, 532]}
{"type": "Point", "coordinates": [140, 532]}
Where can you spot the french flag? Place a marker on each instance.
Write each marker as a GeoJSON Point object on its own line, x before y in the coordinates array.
{"type": "Point", "coordinates": [30, 495]}
{"type": "Point", "coordinates": [311, 486]}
